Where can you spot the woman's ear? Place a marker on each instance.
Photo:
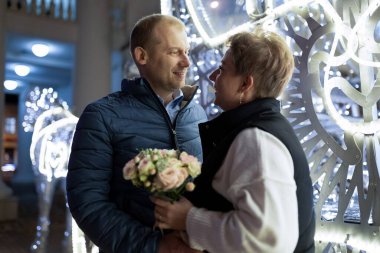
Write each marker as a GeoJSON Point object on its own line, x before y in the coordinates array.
{"type": "Point", "coordinates": [141, 55]}
{"type": "Point", "coordinates": [248, 84]}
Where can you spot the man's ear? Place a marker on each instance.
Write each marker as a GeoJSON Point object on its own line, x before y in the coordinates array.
{"type": "Point", "coordinates": [141, 55]}
{"type": "Point", "coordinates": [248, 84]}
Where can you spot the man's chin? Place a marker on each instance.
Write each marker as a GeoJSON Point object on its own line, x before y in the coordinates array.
{"type": "Point", "coordinates": [178, 85]}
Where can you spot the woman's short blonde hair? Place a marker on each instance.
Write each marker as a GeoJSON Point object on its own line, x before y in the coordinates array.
{"type": "Point", "coordinates": [264, 55]}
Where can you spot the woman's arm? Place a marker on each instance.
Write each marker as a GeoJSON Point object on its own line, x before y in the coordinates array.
{"type": "Point", "coordinates": [257, 177]}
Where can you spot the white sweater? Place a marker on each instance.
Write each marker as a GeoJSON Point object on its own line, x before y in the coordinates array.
{"type": "Point", "coordinates": [257, 178]}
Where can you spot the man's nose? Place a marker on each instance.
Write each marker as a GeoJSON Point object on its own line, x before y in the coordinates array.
{"type": "Point", "coordinates": [185, 61]}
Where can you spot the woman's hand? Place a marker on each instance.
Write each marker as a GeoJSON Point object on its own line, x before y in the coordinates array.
{"type": "Point", "coordinates": [171, 215]}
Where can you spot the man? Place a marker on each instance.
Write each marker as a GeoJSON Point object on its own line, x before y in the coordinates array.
{"type": "Point", "coordinates": [154, 111]}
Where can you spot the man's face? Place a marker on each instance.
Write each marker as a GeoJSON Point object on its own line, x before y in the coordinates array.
{"type": "Point", "coordinates": [168, 61]}
{"type": "Point", "coordinates": [227, 84]}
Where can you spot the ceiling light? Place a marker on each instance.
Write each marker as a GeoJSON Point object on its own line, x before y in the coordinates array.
{"type": "Point", "coordinates": [10, 84]}
{"type": "Point", "coordinates": [22, 70]}
{"type": "Point", "coordinates": [40, 50]}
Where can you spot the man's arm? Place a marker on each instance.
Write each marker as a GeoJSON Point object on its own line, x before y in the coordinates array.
{"type": "Point", "coordinates": [88, 191]}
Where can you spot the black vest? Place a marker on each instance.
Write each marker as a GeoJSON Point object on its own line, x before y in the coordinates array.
{"type": "Point", "coordinates": [217, 136]}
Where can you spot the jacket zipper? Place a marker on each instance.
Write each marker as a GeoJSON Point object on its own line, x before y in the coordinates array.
{"type": "Point", "coordinates": [172, 125]}
{"type": "Point", "coordinates": [175, 121]}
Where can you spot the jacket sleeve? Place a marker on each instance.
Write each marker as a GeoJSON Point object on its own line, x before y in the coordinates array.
{"type": "Point", "coordinates": [257, 178]}
{"type": "Point", "coordinates": [88, 191]}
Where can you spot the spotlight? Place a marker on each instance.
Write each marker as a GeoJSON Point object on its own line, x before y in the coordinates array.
{"type": "Point", "coordinates": [10, 84]}
{"type": "Point", "coordinates": [40, 50]}
{"type": "Point", "coordinates": [22, 70]}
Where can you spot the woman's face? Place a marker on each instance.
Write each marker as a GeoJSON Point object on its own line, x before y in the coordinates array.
{"type": "Point", "coordinates": [227, 84]}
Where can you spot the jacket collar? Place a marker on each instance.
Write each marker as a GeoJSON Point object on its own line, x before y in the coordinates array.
{"type": "Point", "coordinates": [137, 86]}
{"type": "Point", "coordinates": [140, 88]}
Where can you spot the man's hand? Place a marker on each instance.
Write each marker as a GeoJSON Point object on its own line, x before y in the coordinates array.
{"type": "Point", "coordinates": [171, 243]}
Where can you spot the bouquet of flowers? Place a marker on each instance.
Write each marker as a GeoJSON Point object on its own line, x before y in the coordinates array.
{"type": "Point", "coordinates": [163, 172]}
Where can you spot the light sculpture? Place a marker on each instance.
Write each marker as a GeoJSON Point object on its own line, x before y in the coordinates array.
{"type": "Point", "coordinates": [49, 152]}
{"type": "Point", "coordinates": [53, 130]}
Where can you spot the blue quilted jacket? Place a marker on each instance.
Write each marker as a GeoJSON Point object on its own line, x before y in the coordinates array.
{"type": "Point", "coordinates": [114, 214]}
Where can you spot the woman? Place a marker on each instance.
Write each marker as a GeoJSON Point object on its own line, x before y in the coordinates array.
{"type": "Point", "coordinates": [255, 192]}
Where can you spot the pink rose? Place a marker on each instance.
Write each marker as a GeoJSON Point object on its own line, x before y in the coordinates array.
{"type": "Point", "coordinates": [130, 170]}
{"type": "Point", "coordinates": [171, 178]}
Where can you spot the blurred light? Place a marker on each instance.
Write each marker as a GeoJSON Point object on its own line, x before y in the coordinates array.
{"type": "Point", "coordinates": [219, 39]}
{"type": "Point", "coordinates": [10, 84]}
{"type": "Point", "coordinates": [214, 4]}
{"type": "Point", "coordinates": [8, 167]}
{"type": "Point", "coordinates": [22, 70]}
{"type": "Point", "coordinates": [166, 7]}
{"type": "Point", "coordinates": [40, 50]}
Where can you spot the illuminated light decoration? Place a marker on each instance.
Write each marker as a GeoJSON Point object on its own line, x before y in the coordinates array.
{"type": "Point", "coordinates": [22, 70]}
{"type": "Point", "coordinates": [49, 150]}
{"type": "Point", "coordinates": [53, 130]}
{"type": "Point", "coordinates": [371, 127]}
{"type": "Point", "coordinates": [340, 83]}
{"type": "Point", "coordinates": [255, 11]}
{"type": "Point", "coordinates": [40, 50]}
{"type": "Point", "coordinates": [10, 84]}
{"type": "Point", "coordinates": [342, 149]}
{"type": "Point", "coordinates": [353, 43]}
{"type": "Point", "coordinates": [215, 41]}
{"type": "Point", "coordinates": [251, 7]}
{"type": "Point", "coordinates": [37, 102]}
{"type": "Point", "coordinates": [344, 175]}
{"type": "Point", "coordinates": [269, 15]}
{"type": "Point", "coordinates": [81, 243]}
